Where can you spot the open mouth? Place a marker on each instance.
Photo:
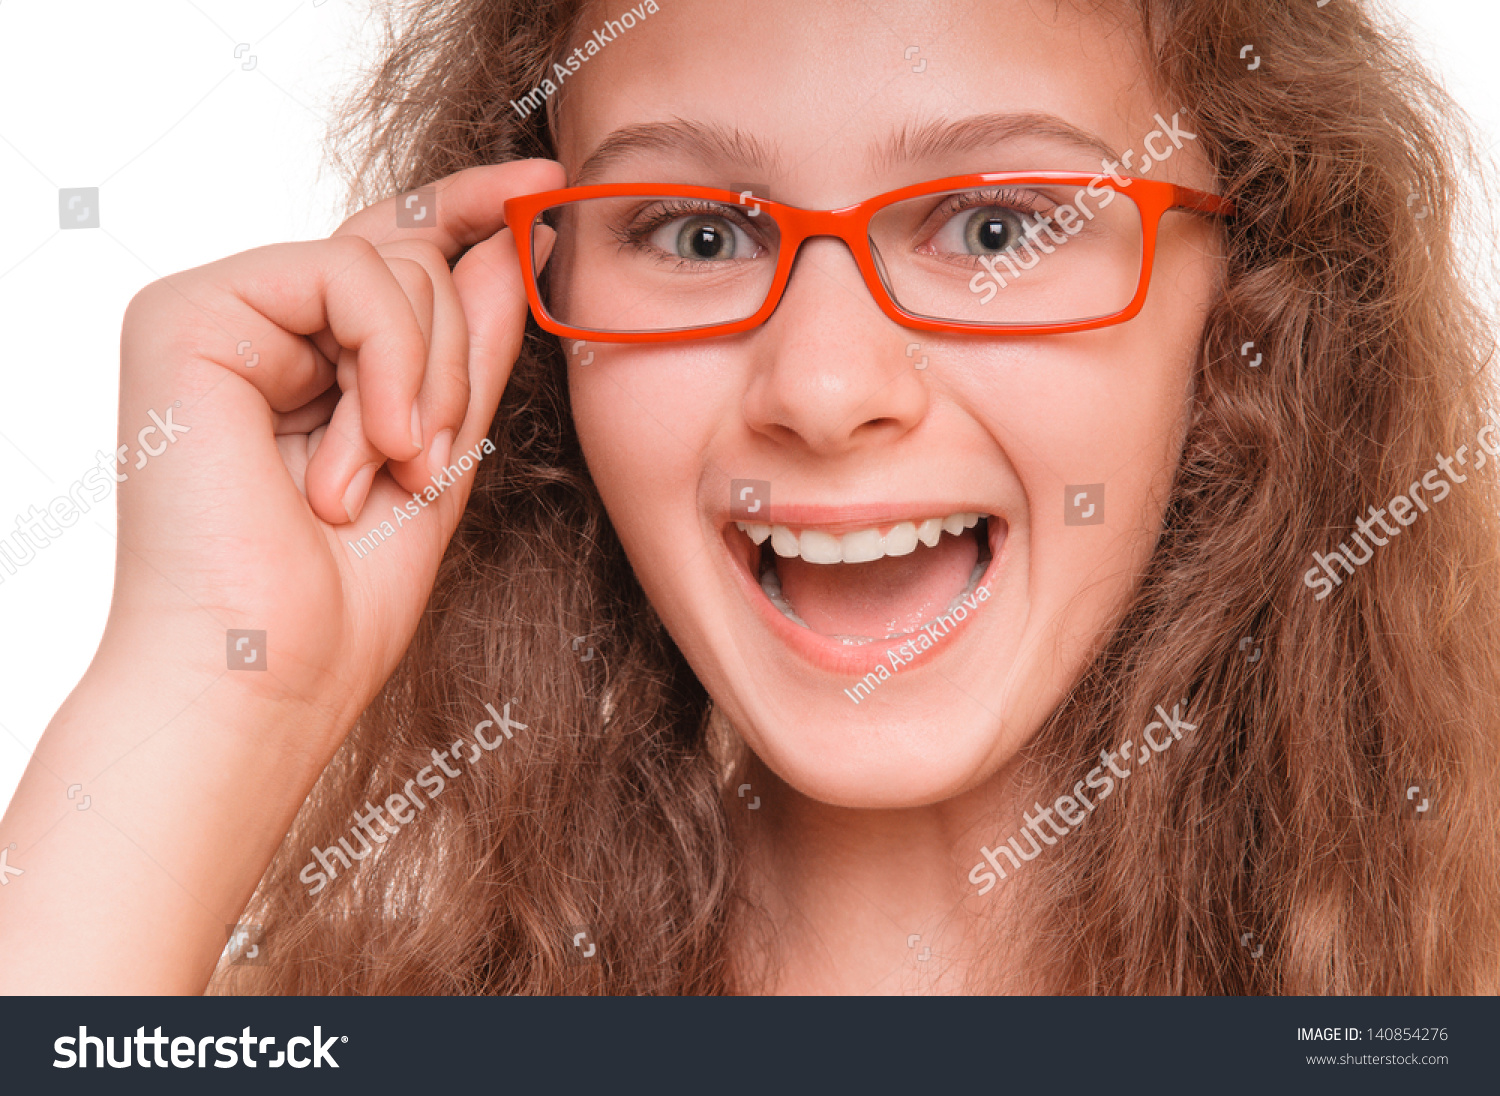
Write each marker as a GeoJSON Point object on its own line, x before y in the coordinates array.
{"type": "Point", "coordinates": [878, 583]}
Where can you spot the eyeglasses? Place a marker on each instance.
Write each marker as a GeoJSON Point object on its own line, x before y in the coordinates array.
{"type": "Point", "coordinates": [1005, 253]}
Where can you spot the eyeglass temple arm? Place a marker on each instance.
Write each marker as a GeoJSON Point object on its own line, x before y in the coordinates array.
{"type": "Point", "coordinates": [1196, 201]}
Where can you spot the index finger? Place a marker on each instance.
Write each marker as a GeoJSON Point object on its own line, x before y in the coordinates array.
{"type": "Point", "coordinates": [464, 209]}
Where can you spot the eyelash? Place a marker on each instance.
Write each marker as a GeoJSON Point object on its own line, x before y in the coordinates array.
{"type": "Point", "coordinates": [1020, 201]}
{"type": "Point", "coordinates": [637, 233]}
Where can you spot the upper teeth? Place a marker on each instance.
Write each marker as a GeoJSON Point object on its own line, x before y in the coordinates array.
{"type": "Point", "coordinates": [860, 546]}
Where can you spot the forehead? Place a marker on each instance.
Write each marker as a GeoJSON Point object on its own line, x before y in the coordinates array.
{"type": "Point", "coordinates": [827, 100]}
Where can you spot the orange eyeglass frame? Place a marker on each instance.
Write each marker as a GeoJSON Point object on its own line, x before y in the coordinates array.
{"type": "Point", "coordinates": [851, 224]}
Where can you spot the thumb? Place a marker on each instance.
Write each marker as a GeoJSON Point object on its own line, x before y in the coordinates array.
{"type": "Point", "coordinates": [493, 295]}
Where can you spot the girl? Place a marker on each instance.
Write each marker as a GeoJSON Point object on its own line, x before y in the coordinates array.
{"type": "Point", "coordinates": [1069, 569]}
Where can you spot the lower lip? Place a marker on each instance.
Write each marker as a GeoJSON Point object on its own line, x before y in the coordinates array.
{"type": "Point", "coordinates": [828, 654]}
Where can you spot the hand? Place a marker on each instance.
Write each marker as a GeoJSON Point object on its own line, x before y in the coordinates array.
{"type": "Point", "coordinates": [374, 368]}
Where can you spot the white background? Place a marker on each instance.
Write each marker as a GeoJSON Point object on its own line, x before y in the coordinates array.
{"type": "Point", "coordinates": [198, 157]}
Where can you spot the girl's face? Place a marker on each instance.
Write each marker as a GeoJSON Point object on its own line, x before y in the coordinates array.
{"type": "Point", "coordinates": [1064, 445]}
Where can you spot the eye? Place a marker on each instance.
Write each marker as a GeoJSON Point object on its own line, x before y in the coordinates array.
{"type": "Point", "coordinates": [983, 230]}
{"type": "Point", "coordinates": [702, 238]}
{"type": "Point", "coordinates": [975, 224]}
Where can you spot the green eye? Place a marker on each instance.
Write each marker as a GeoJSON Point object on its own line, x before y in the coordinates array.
{"type": "Point", "coordinates": [705, 239]}
{"type": "Point", "coordinates": [993, 229]}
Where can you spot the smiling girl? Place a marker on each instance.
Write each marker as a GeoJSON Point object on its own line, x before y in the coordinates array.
{"type": "Point", "coordinates": [881, 565]}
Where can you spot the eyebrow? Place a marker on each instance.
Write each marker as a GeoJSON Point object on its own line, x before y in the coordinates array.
{"type": "Point", "coordinates": [693, 140]}
{"type": "Point", "coordinates": [930, 140]}
{"type": "Point", "coordinates": [913, 142]}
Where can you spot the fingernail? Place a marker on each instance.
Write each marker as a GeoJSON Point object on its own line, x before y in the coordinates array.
{"type": "Point", "coordinates": [416, 426]}
{"type": "Point", "coordinates": [359, 487]}
{"type": "Point", "coordinates": [541, 246]}
{"type": "Point", "coordinates": [440, 451]}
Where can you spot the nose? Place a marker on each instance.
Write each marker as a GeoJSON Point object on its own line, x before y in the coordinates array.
{"type": "Point", "coordinates": [832, 374]}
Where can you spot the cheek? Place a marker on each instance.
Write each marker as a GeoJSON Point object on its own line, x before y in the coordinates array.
{"type": "Point", "coordinates": [1111, 407]}
{"type": "Point", "coordinates": [1092, 425]}
{"type": "Point", "coordinates": [1096, 505]}
{"type": "Point", "coordinates": [647, 420]}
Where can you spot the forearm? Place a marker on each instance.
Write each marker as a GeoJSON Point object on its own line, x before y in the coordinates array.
{"type": "Point", "coordinates": [127, 885]}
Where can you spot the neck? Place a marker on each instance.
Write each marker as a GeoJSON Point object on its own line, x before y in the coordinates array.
{"type": "Point", "coordinates": [855, 901]}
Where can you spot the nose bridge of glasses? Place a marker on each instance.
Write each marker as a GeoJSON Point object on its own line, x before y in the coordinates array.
{"type": "Point", "coordinates": [799, 225]}
{"type": "Point", "coordinates": [849, 225]}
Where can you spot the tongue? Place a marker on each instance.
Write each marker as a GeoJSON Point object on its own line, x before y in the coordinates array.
{"type": "Point", "coordinates": [888, 596]}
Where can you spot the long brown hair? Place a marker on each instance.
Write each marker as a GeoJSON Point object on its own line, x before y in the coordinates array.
{"type": "Point", "coordinates": [1272, 852]}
